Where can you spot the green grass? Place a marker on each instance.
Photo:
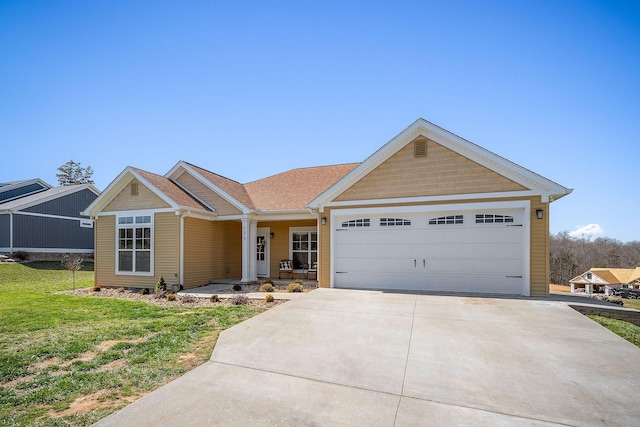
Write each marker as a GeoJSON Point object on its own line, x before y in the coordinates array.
{"type": "Point", "coordinates": [56, 348]}
{"type": "Point", "coordinates": [632, 303]}
{"type": "Point", "coordinates": [626, 330]}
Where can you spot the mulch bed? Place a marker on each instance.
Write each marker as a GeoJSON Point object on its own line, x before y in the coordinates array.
{"type": "Point", "coordinates": [181, 301]}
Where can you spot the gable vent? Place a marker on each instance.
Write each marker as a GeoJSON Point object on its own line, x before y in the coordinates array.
{"type": "Point", "coordinates": [134, 188]}
{"type": "Point", "coordinates": [420, 148]}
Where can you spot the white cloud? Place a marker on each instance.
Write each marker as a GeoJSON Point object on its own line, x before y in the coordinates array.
{"type": "Point", "coordinates": [587, 231]}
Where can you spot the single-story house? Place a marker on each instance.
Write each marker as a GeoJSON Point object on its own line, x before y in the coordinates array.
{"type": "Point", "coordinates": [429, 210]}
{"type": "Point", "coordinates": [600, 279]}
{"type": "Point", "coordinates": [45, 221]}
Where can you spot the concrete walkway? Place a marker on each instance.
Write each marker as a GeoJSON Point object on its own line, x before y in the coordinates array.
{"type": "Point", "coordinates": [354, 358]}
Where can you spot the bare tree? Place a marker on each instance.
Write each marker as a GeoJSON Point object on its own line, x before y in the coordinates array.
{"type": "Point", "coordinates": [71, 173]}
{"type": "Point", "coordinates": [570, 256]}
{"type": "Point", "coordinates": [73, 264]}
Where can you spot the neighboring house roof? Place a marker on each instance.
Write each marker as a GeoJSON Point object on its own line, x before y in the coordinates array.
{"type": "Point", "coordinates": [17, 189]}
{"type": "Point", "coordinates": [170, 189]}
{"type": "Point", "coordinates": [610, 276]}
{"type": "Point", "coordinates": [294, 189]}
{"type": "Point", "coordinates": [44, 196]}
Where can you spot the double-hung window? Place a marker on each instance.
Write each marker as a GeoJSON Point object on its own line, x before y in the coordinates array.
{"type": "Point", "coordinates": [304, 246]}
{"type": "Point", "coordinates": [134, 254]}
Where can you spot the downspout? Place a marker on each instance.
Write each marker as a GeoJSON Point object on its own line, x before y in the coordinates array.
{"type": "Point", "coordinates": [11, 232]}
{"type": "Point", "coordinates": [182, 215]}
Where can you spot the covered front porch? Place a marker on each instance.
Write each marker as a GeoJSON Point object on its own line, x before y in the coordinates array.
{"type": "Point", "coordinates": [266, 243]}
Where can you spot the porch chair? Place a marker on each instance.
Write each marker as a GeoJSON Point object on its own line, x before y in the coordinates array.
{"type": "Point", "coordinates": [286, 267]}
{"type": "Point", "coordinates": [312, 270]}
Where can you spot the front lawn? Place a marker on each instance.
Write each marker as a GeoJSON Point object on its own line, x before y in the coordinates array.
{"type": "Point", "coordinates": [626, 330]}
{"type": "Point", "coordinates": [632, 303]}
{"type": "Point", "coordinates": [68, 360]}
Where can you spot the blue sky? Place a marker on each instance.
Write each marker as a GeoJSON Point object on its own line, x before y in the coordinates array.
{"type": "Point", "coordinates": [249, 89]}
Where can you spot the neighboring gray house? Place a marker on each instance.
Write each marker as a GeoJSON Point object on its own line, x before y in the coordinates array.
{"type": "Point", "coordinates": [44, 221]}
{"type": "Point", "coordinates": [16, 189]}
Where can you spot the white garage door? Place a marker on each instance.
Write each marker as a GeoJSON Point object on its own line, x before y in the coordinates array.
{"type": "Point", "coordinates": [468, 251]}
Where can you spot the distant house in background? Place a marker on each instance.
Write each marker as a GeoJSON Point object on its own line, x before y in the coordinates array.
{"type": "Point", "coordinates": [44, 221]}
{"type": "Point", "coordinates": [598, 279]}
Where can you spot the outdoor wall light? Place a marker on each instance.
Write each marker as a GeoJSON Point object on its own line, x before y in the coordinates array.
{"type": "Point", "coordinates": [271, 235]}
{"type": "Point", "coordinates": [539, 213]}
{"type": "Point", "coordinates": [324, 220]}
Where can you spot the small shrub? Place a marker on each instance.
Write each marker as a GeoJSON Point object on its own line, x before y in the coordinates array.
{"type": "Point", "coordinates": [121, 290]}
{"type": "Point", "coordinates": [188, 299]}
{"type": "Point", "coordinates": [294, 287]}
{"type": "Point", "coordinates": [269, 281]}
{"type": "Point", "coordinates": [269, 298]}
{"type": "Point", "coordinates": [20, 255]}
{"type": "Point", "coordinates": [237, 287]}
{"type": "Point", "coordinates": [171, 297]}
{"type": "Point", "coordinates": [266, 287]}
{"type": "Point", "coordinates": [161, 285]}
{"type": "Point", "coordinates": [240, 300]}
{"type": "Point", "coordinates": [144, 291]}
{"type": "Point", "coordinates": [96, 288]}
{"type": "Point", "coordinates": [298, 281]}
{"type": "Point", "coordinates": [214, 298]}
{"type": "Point", "coordinates": [160, 295]}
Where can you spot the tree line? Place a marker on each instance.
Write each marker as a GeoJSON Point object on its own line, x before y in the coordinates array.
{"type": "Point", "coordinates": [570, 256]}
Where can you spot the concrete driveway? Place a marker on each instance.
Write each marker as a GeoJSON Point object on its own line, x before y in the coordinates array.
{"type": "Point", "coordinates": [367, 358]}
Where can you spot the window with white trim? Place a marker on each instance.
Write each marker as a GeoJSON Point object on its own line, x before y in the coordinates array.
{"type": "Point", "coordinates": [391, 222]}
{"type": "Point", "coordinates": [361, 222]}
{"type": "Point", "coordinates": [304, 247]}
{"type": "Point", "coordinates": [134, 252]}
{"type": "Point", "coordinates": [444, 220]}
{"type": "Point", "coordinates": [492, 218]}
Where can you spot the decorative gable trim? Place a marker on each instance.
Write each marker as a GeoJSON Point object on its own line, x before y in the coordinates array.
{"type": "Point", "coordinates": [538, 185]}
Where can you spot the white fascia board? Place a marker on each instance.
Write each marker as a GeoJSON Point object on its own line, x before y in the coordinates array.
{"type": "Point", "coordinates": [428, 199]}
{"type": "Point", "coordinates": [539, 185]}
{"type": "Point", "coordinates": [117, 185]}
{"type": "Point", "coordinates": [196, 213]}
{"type": "Point", "coordinates": [107, 195]}
{"type": "Point", "coordinates": [515, 204]}
{"type": "Point", "coordinates": [187, 168]}
{"type": "Point", "coordinates": [284, 215]}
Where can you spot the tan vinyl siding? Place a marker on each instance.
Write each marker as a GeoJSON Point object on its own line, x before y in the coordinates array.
{"type": "Point", "coordinates": [279, 245]}
{"type": "Point", "coordinates": [146, 199]}
{"type": "Point", "coordinates": [324, 252]}
{"type": "Point", "coordinates": [227, 249]}
{"type": "Point", "coordinates": [441, 172]}
{"type": "Point", "coordinates": [221, 206]}
{"type": "Point", "coordinates": [212, 250]}
{"type": "Point", "coordinates": [539, 250]}
{"type": "Point", "coordinates": [199, 243]}
{"type": "Point", "coordinates": [166, 253]}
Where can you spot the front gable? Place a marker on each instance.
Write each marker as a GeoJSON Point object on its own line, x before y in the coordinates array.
{"type": "Point", "coordinates": [425, 168]}
{"type": "Point", "coordinates": [427, 163]}
{"type": "Point", "coordinates": [135, 196]}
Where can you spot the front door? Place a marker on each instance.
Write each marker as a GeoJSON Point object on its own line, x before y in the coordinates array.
{"type": "Point", "coordinates": [262, 252]}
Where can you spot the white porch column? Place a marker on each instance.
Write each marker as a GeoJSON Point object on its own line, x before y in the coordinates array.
{"type": "Point", "coordinates": [249, 235]}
